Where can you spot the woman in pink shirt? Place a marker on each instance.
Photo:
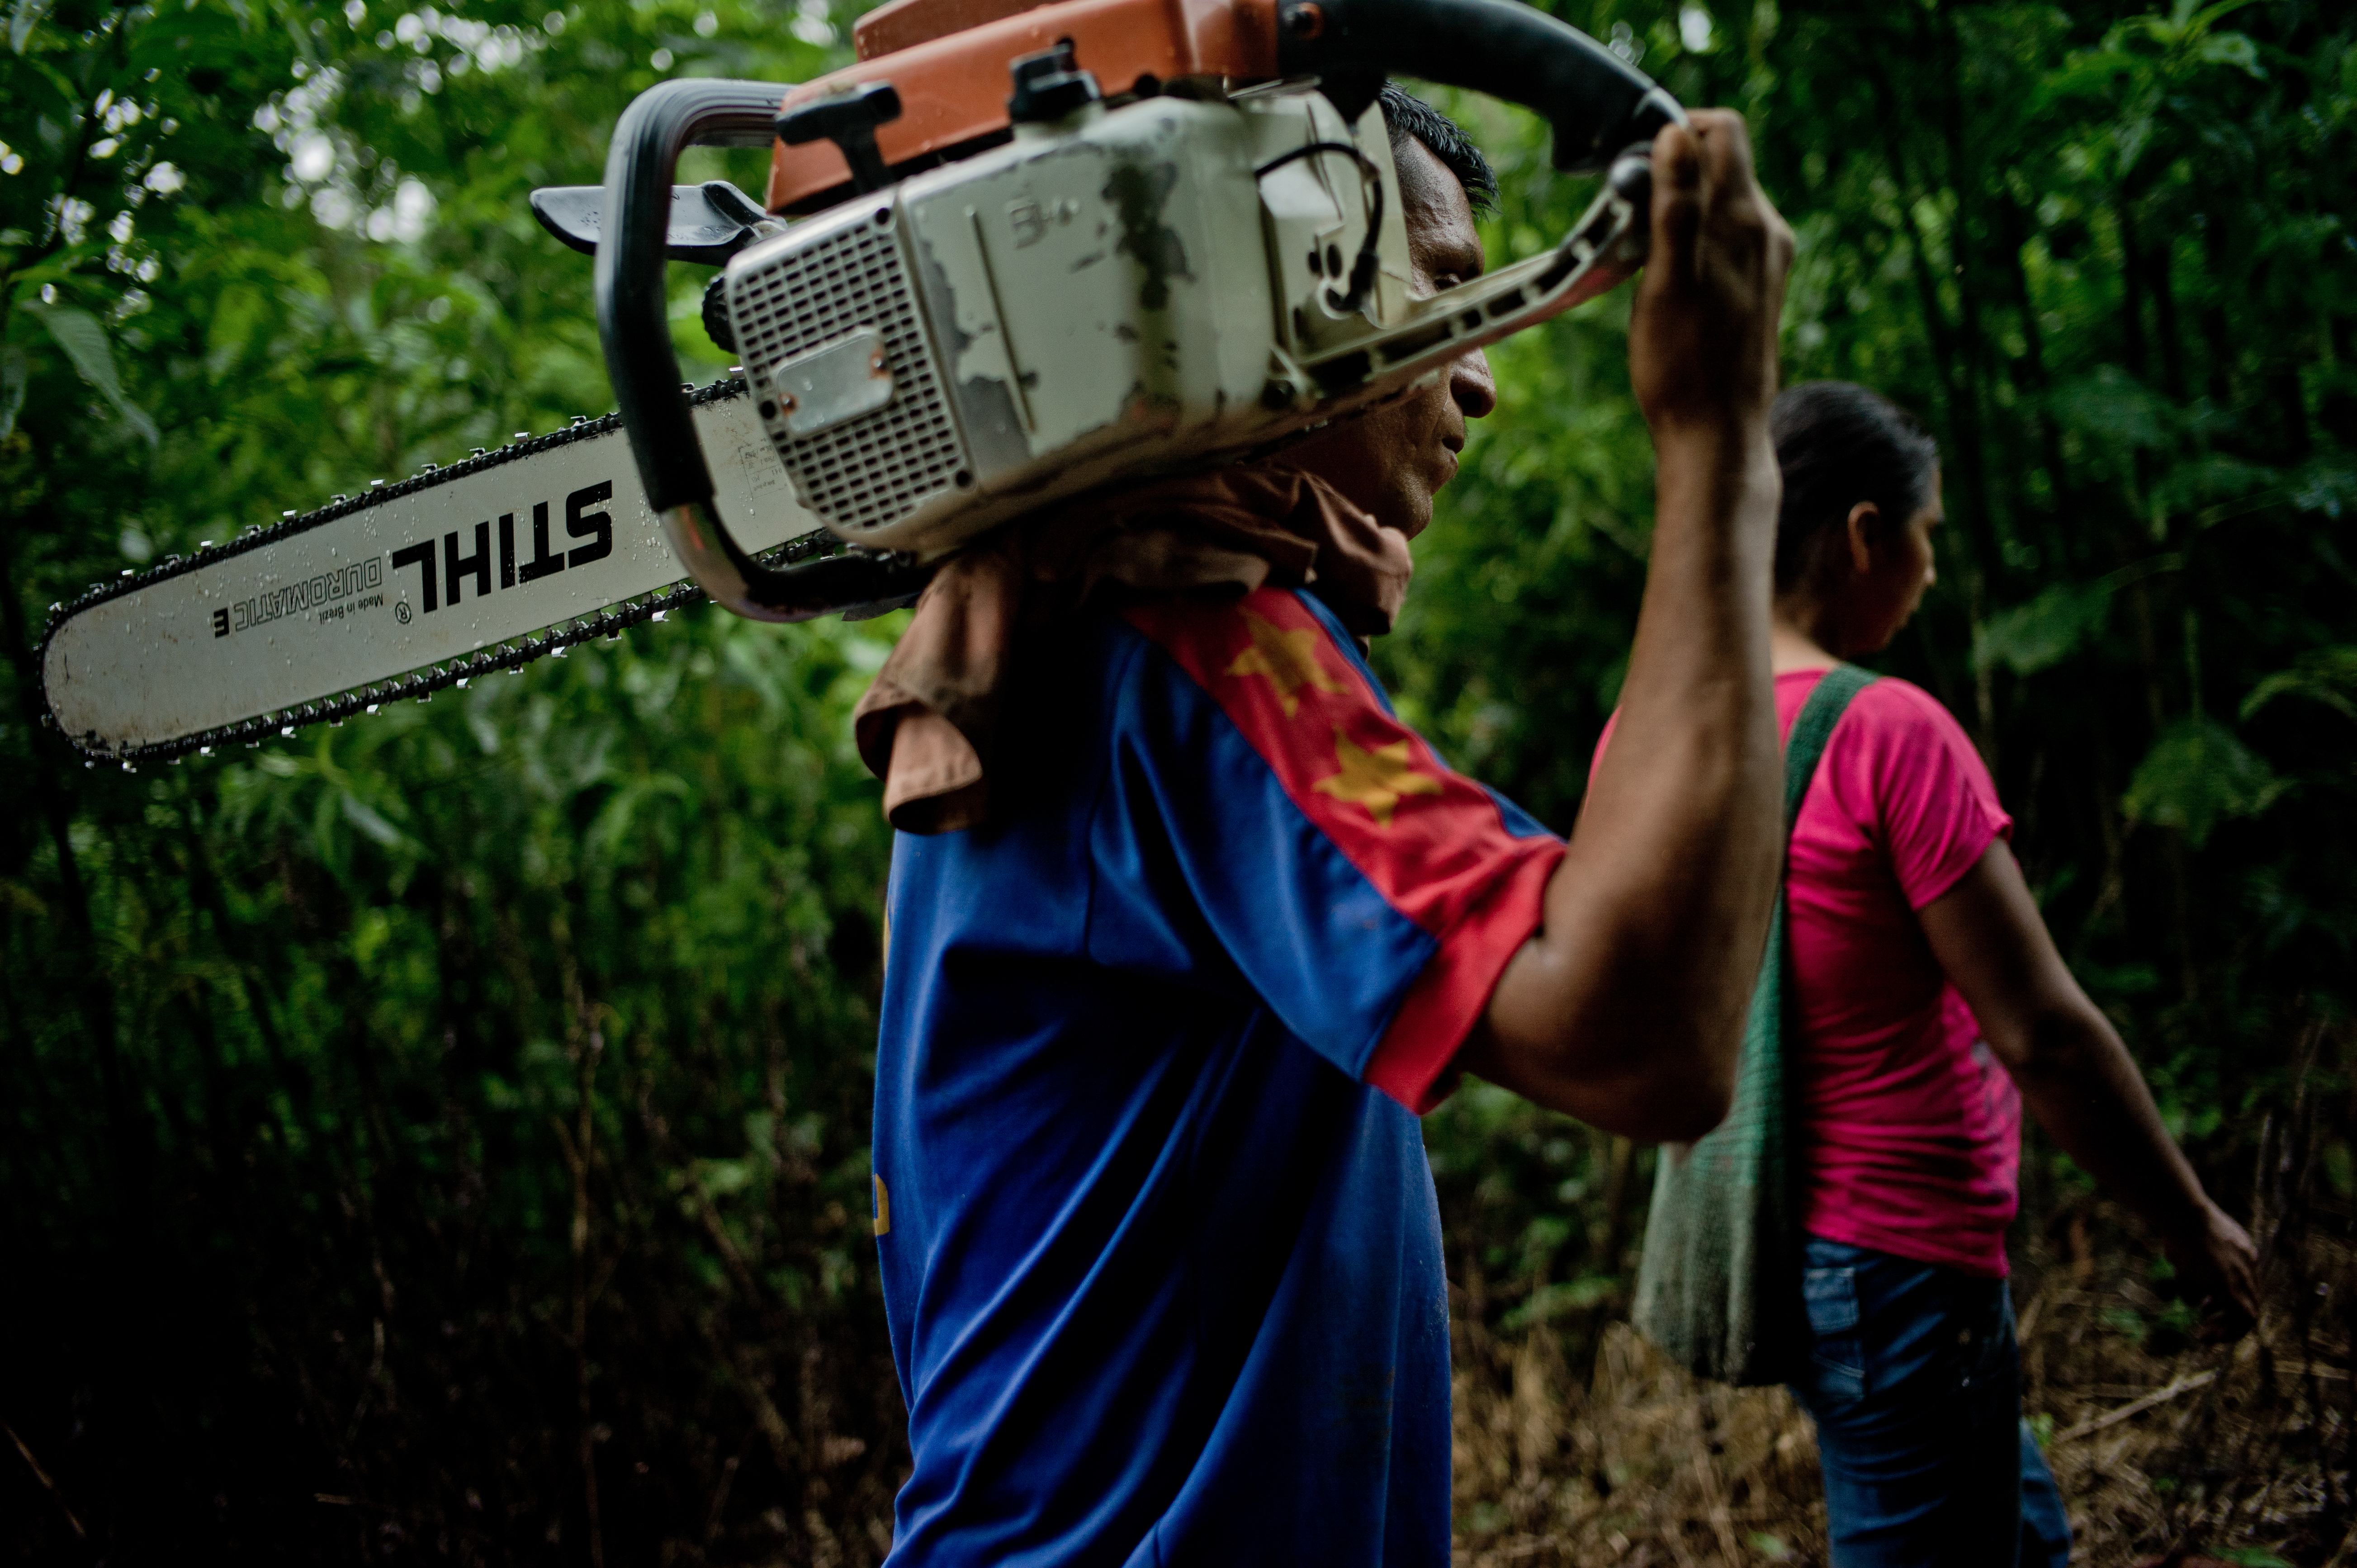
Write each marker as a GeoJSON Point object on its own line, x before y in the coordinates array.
{"type": "Point", "coordinates": [1931, 1004]}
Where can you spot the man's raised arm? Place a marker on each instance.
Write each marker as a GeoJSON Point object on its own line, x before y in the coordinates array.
{"type": "Point", "coordinates": [1626, 1009]}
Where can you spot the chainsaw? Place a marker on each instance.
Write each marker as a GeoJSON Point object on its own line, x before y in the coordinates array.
{"type": "Point", "coordinates": [1009, 255]}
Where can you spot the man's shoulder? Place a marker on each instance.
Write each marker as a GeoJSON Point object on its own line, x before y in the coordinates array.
{"type": "Point", "coordinates": [1288, 681]}
{"type": "Point", "coordinates": [1271, 655]}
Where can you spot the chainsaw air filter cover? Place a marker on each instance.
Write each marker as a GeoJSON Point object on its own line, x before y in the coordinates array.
{"type": "Point", "coordinates": [1020, 324]}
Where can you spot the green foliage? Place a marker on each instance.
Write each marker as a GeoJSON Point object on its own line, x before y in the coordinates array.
{"type": "Point", "coordinates": [447, 1133]}
{"type": "Point", "coordinates": [2196, 775]}
{"type": "Point", "coordinates": [83, 340]}
{"type": "Point", "coordinates": [2045, 631]}
{"type": "Point", "coordinates": [2104, 252]}
{"type": "Point", "coordinates": [2327, 675]}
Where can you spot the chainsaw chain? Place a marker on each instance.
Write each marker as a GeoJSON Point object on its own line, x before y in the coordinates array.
{"type": "Point", "coordinates": [421, 684]}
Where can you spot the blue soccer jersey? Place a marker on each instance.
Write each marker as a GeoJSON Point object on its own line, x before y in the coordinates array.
{"type": "Point", "coordinates": [1160, 1252]}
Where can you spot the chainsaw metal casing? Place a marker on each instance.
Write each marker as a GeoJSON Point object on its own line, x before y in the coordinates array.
{"type": "Point", "coordinates": [925, 379]}
{"type": "Point", "coordinates": [1094, 299]}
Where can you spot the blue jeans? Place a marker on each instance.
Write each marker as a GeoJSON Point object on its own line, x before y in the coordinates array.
{"type": "Point", "coordinates": [1915, 1382]}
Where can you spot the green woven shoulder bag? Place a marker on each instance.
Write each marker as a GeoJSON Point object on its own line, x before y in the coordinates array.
{"type": "Point", "coordinates": [1719, 1285]}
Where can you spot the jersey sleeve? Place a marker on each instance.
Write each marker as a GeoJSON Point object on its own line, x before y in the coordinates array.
{"type": "Point", "coordinates": [1934, 807]}
{"type": "Point", "coordinates": [1368, 893]}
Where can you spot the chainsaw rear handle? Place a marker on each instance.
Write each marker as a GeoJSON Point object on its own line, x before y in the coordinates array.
{"type": "Point", "coordinates": [634, 327]}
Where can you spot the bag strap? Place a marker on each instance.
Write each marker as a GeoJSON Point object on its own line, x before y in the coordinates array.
{"type": "Point", "coordinates": [1719, 1284]}
{"type": "Point", "coordinates": [1812, 728]}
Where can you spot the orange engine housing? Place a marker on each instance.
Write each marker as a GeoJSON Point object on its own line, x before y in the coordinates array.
{"type": "Point", "coordinates": [948, 60]}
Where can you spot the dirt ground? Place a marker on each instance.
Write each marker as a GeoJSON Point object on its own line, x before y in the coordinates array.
{"type": "Point", "coordinates": [2167, 1451]}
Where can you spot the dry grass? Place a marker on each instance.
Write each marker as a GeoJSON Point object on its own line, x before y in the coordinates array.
{"type": "Point", "coordinates": [2163, 1451]}
{"type": "Point", "coordinates": [1640, 1468]}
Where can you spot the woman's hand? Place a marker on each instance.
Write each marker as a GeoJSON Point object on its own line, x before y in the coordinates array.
{"type": "Point", "coordinates": [2220, 1269]}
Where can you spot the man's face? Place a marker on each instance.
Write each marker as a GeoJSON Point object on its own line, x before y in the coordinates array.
{"type": "Point", "coordinates": [1390, 461]}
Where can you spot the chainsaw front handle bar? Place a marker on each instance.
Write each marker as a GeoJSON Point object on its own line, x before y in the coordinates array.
{"type": "Point", "coordinates": [1603, 111]}
{"type": "Point", "coordinates": [1598, 105]}
{"type": "Point", "coordinates": [634, 327]}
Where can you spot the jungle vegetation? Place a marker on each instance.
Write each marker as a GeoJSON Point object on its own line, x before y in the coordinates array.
{"type": "Point", "coordinates": [444, 1136]}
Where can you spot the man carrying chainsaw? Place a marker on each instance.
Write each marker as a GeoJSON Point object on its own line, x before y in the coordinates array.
{"type": "Point", "coordinates": [1188, 928]}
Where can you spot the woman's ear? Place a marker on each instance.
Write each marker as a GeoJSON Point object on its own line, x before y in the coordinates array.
{"type": "Point", "coordinates": [1861, 533]}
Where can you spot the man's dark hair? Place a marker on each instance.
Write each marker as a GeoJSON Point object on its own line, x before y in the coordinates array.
{"type": "Point", "coordinates": [1840, 444]}
{"type": "Point", "coordinates": [1407, 115]}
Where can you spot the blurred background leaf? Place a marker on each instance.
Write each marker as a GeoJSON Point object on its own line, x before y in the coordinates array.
{"type": "Point", "coordinates": [2196, 775]}
{"type": "Point", "coordinates": [84, 342]}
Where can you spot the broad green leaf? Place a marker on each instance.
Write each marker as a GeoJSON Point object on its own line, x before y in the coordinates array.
{"type": "Point", "coordinates": [2131, 138]}
{"type": "Point", "coordinates": [2198, 775]}
{"type": "Point", "coordinates": [2213, 483]}
{"type": "Point", "coordinates": [2210, 15]}
{"type": "Point", "coordinates": [2045, 631]}
{"type": "Point", "coordinates": [2234, 50]}
{"type": "Point", "coordinates": [2114, 406]}
{"type": "Point", "coordinates": [720, 1178]}
{"type": "Point", "coordinates": [2328, 489]}
{"type": "Point", "coordinates": [26, 16]}
{"type": "Point", "coordinates": [78, 332]}
{"type": "Point", "coordinates": [372, 821]}
{"type": "Point", "coordinates": [2328, 676]}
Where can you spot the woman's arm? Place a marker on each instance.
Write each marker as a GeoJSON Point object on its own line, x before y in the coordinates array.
{"type": "Point", "coordinates": [2076, 1074]}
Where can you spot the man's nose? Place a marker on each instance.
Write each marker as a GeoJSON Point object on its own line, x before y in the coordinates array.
{"type": "Point", "coordinates": [1472, 386]}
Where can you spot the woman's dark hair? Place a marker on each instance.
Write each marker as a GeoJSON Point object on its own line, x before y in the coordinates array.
{"type": "Point", "coordinates": [1839, 444]}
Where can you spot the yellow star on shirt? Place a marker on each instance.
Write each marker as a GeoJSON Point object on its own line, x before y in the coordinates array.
{"type": "Point", "coordinates": [1289, 660]}
{"type": "Point", "coordinates": [1377, 779]}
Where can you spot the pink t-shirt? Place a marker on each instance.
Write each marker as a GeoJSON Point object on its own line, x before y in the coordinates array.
{"type": "Point", "coordinates": [1910, 1132]}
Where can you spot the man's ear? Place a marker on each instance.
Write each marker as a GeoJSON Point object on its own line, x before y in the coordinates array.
{"type": "Point", "coordinates": [1862, 533]}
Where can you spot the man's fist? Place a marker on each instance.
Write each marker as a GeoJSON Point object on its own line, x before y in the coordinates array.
{"type": "Point", "coordinates": [1702, 343]}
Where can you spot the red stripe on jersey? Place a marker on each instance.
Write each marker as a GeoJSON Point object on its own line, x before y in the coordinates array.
{"type": "Point", "coordinates": [1430, 841]}
{"type": "Point", "coordinates": [1411, 1062]}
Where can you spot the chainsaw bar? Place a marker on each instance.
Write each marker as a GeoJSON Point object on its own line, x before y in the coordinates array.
{"type": "Point", "coordinates": [516, 554]}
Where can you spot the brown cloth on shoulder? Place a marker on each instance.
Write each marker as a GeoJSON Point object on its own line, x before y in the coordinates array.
{"type": "Point", "coordinates": [928, 724]}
